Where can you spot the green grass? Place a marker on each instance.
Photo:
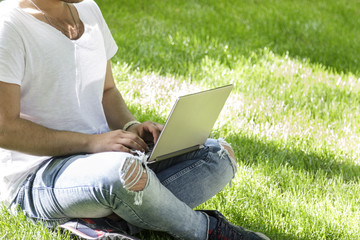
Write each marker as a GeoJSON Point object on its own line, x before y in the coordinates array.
{"type": "Point", "coordinates": [293, 118]}
{"type": "Point", "coordinates": [17, 226]}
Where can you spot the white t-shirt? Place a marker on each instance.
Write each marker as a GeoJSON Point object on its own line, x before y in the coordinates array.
{"type": "Point", "coordinates": [61, 80]}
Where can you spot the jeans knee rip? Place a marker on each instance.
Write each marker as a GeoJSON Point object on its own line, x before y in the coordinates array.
{"type": "Point", "coordinates": [224, 153]}
{"type": "Point", "coordinates": [131, 173]}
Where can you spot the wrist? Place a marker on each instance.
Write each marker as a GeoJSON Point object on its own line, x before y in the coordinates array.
{"type": "Point", "coordinates": [130, 124]}
{"type": "Point", "coordinates": [90, 143]}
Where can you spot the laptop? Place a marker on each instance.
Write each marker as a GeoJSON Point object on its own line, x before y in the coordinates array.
{"type": "Point", "coordinates": [189, 123]}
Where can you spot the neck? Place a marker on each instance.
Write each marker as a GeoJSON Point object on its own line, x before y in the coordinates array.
{"type": "Point", "coordinates": [58, 13]}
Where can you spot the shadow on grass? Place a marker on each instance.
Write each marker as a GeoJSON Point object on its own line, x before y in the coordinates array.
{"type": "Point", "coordinates": [253, 151]}
{"type": "Point", "coordinates": [168, 37]}
{"type": "Point", "coordinates": [258, 153]}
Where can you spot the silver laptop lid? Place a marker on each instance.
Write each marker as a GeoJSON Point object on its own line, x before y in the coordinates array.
{"type": "Point", "coordinates": [190, 122]}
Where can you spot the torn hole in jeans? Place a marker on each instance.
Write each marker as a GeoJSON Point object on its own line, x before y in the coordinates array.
{"type": "Point", "coordinates": [225, 151]}
{"type": "Point", "coordinates": [134, 177]}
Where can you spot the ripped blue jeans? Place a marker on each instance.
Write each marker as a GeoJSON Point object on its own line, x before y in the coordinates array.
{"type": "Point", "coordinates": [158, 196]}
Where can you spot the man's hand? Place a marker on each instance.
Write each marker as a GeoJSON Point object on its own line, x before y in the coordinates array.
{"type": "Point", "coordinates": [117, 141]}
{"type": "Point", "coordinates": [149, 131]}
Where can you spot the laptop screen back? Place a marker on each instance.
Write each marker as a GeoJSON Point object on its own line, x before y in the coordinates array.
{"type": "Point", "coordinates": [190, 122]}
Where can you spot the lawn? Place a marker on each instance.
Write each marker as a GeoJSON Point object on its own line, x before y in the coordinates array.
{"type": "Point", "coordinates": [293, 117]}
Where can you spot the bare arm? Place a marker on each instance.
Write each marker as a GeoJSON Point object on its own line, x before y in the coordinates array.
{"type": "Point", "coordinates": [118, 114]}
{"type": "Point", "coordinates": [25, 136]}
{"type": "Point", "coordinates": [116, 111]}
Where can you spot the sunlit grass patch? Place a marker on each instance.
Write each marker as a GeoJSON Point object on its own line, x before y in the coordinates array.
{"type": "Point", "coordinates": [299, 169]}
{"type": "Point", "coordinates": [271, 102]}
{"type": "Point", "coordinates": [293, 117]}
